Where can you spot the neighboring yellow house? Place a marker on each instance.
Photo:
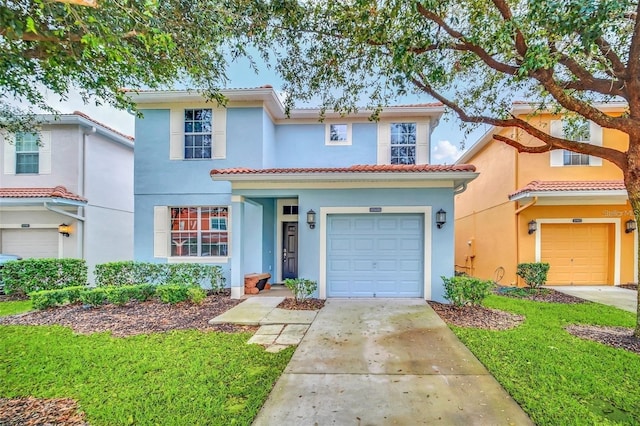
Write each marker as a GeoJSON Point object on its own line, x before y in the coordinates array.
{"type": "Point", "coordinates": [566, 209]}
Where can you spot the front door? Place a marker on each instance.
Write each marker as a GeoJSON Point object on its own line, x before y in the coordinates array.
{"type": "Point", "coordinates": [289, 250]}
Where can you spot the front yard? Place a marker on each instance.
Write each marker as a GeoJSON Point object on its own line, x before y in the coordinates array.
{"type": "Point", "coordinates": [178, 377]}
{"type": "Point", "coordinates": [558, 378]}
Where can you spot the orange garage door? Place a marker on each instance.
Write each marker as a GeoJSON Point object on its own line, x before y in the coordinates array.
{"type": "Point", "coordinates": [578, 253]}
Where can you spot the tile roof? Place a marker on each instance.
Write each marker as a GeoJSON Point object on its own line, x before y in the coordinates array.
{"type": "Point", "coordinates": [565, 186]}
{"type": "Point", "coordinates": [85, 116]}
{"type": "Point", "coordinates": [386, 168]}
{"type": "Point", "coordinates": [56, 192]}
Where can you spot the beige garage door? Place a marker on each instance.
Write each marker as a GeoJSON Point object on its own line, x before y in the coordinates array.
{"type": "Point", "coordinates": [578, 253]}
{"type": "Point", "coordinates": [39, 243]}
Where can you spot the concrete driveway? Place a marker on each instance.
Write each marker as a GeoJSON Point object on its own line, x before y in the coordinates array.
{"type": "Point", "coordinates": [621, 298]}
{"type": "Point", "coordinates": [385, 362]}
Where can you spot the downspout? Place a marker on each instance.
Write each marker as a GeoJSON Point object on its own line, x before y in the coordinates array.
{"type": "Point", "coordinates": [517, 212]}
{"type": "Point", "coordinates": [460, 189]}
{"type": "Point", "coordinates": [62, 212]}
{"type": "Point", "coordinates": [82, 167]}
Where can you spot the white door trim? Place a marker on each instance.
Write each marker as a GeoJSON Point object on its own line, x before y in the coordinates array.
{"type": "Point", "coordinates": [616, 246]}
{"type": "Point", "coordinates": [280, 203]}
{"type": "Point", "coordinates": [424, 210]}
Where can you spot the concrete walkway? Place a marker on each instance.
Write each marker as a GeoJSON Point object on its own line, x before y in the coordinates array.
{"type": "Point", "coordinates": [279, 328]}
{"type": "Point", "coordinates": [621, 298]}
{"type": "Point", "coordinates": [385, 362]}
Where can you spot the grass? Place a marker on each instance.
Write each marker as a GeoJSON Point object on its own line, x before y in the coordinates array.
{"type": "Point", "coordinates": [16, 307]}
{"type": "Point", "coordinates": [177, 378]}
{"type": "Point", "coordinates": [557, 378]}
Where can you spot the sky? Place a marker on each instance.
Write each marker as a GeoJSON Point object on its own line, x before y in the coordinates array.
{"type": "Point", "coordinates": [446, 139]}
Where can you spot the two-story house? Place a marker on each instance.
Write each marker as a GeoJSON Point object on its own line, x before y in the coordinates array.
{"type": "Point", "coordinates": [348, 202]}
{"type": "Point", "coordinates": [567, 209]}
{"type": "Point", "coordinates": [67, 192]}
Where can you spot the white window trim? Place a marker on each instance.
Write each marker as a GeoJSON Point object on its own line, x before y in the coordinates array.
{"type": "Point", "coordinates": [218, 134]}
{"type": "Point", "coordinates": [556, 157]}
{"type": "Point", "coordinates": [281, 217]}
{"type": "Point", "coordinates": [327, 137]}
{"type": "Point", "coordinates": [44, 155]}
{"type": "Point", "coordinates": [423, 135]}
{"type": "Point", "coordinates": [424, 210]}
{"type": "Point", "coordinates": [162, 238]}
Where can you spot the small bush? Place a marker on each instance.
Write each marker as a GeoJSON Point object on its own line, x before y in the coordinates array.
{"type": "Point", "coordinates": [129, 273]}
{"type": "Point", "coordinates": [196, 294]}
{"type": "Point", "coordinates": [45, 299]}
{"type": "Point", "coordinates": [533, 274]}
{"type": "Point", "coordinates": [463, 290]}
{"type": "Point", "coordinates": [29, 275]}
{"type": "Point", "coordinates": [301, 288]}
{"type": "Point", "coordinates": [144, 292]}
{"type": "Point", "coordinates": [118, 295]}
{"type": "Point", "coordinates": [172, 293]}
{"type": "Point", "coordinates": [94, 297]}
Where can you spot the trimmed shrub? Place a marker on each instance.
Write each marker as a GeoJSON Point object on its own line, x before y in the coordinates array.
{"type": "Point", "coordinates": [172, 293]}
{"type": "Point", "coordinates": [29, 275]}
{"type": "Point", "coordinates": [196, 294]}
{"type": "Point", "coordinates": [144, 292]}
{"type": "Point", "coordinates": [129, 273]}
{"type": "Point", "coordinates": [94, 297]}
{"type": "Point", "coordinates": [118, 295]}
{"type": "Point", "coordinates": [301, 288]}
{"type": "Point", "coordinates": [45, 299]}
{"type": "Point", "coordinates": [463, 290]}
{"type": "Point", "coordinates": [534, 274]}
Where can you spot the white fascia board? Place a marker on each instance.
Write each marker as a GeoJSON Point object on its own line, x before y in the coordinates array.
{"type": "Point", "coordinates": [72, 119]}
{"type": "Point", "coordinates": [40, 202]}
{"type": "Point", "coordinates": [528, 108]}
{"type": "Point", "coordinates": [458, 177]}
{"type": "Point", "coordinates": [568, 194]}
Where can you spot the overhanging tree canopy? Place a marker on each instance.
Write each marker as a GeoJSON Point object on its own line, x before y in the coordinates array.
{"type": "Point", "coordinates": [476, 57]}
{"type": "Point", "coordinates": [99, 47]}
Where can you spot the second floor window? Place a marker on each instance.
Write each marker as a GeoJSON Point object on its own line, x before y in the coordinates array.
{"type": "Point", "coordinates": [576, 130]}
{"type": "Point", "coordinates": [27, 153]}
{"type": "Point", "coordinates": [403, 143]}
{"type": "Point", "coordinates": [197, 133]}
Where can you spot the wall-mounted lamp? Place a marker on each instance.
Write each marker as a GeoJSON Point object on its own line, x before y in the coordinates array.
{"type": "Point", "coordinates": [533, 227]}
{"type": "Point", "coordinates": [311, 219]}
{"type": "Point", "coordinates": [630, 226]}
{"type": "Point", "coordinates": [441, 218]}
{"type": "Point", "coordinates": [64, 229]}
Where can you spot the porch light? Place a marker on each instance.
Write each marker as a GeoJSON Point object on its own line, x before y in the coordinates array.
{"type": "Point", "coordinates": [441, 218]}
{"type": "Point", "coordinates": [630, 226]}
{"type": "Point", "coordinates": [311, 219]}
{"type": "Point", "coordinates": [64, 229]}
{"type": "Point", "coordinates": [533, 227]}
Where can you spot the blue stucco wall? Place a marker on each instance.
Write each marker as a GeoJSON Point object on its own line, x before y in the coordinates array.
{"type": "Point", "coordinates": [442, 240]}
{"type": "Point", "coordinates": [303, 145]}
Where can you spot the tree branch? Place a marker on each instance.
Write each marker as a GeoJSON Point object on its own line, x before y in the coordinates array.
{"type": "Point", "coordinates": [607, 51]}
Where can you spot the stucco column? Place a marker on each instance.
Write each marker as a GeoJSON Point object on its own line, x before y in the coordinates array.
{"type": "Point", "coordinates": [237, 215]}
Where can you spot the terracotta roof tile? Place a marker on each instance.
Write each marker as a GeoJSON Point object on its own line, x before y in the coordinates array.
{"type": "Point", "coordinates": [387, 168]}
{"type": "Point", "coordinates": [56, 192]}
{"type": "Point", "coordinates": [564, 185]}
{"type": "Point", "coordinates": [83, 115]}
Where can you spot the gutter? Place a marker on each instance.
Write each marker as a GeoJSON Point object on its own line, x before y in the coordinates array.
{"type": "Point", "coordinates": [460, 189]}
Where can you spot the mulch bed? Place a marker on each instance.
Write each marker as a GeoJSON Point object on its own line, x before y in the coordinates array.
{"type": "Point", "coordinates": [37, 412]}
{"type": "Point", "coordinates": [616, 337]}
{"type": "Point", "coordinates": [303, 305]}
{"type": "Point", "coordinates": [543, 295]}
{"type": "Point", "coordinates": [476, 316]}
{"type": "Point", "coordinates": [136, 317]}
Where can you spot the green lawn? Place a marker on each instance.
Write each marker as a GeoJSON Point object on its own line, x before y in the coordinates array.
{"type": "Point", "coordinates": [177, 378]}
{"type": "Point", "coordinates": [17, 307]}
{"type": "Point", "coordinates": [557, 378]}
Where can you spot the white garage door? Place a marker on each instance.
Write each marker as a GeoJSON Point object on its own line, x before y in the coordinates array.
{"type": "Point", "coordinates": [375, 255]}
{"type": "Point", "coordinates": [28, 243]}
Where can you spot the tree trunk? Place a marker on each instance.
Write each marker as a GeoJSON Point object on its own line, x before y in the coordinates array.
{"type": "Point", "coordinates": [632, 183]}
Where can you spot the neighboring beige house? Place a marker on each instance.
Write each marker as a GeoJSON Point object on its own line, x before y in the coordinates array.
{"type": "Point", "coordinates": [81, 176]}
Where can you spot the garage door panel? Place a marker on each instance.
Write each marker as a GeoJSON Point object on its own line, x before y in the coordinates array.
{"type": "Point", "coordinates": [30, 243]}
{"type": "Point", "coordinates": [382, 258]}
{"type": "Point", "coordinates": [578, 254]}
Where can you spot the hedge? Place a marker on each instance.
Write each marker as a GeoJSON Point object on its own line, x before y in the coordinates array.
{"type": "Point", "coordinates": [29, 275]}
{"type": "Point", "coordinates": [44, 299]}
{"type": "Point", "coordinates": [186, 274]}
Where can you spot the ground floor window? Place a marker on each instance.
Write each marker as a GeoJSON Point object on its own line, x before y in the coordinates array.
{"type": "Point", "coordinates": [199, 231]}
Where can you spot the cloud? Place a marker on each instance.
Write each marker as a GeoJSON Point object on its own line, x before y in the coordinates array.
{"type": "Point", "coordinates": [444, 152]}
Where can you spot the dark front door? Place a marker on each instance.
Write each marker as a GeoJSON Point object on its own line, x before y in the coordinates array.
{"type": "Point", "coordinates": [289, 250]}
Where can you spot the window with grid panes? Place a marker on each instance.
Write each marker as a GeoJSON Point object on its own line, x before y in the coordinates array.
{"type": "Point", "coordinates": [27, 154]}
{"type": "Point", "coordinates": [197, 133]}
{"type": "Point", "coordinates": [403, 143]}
{"type": "Point", "coordinates": [199, 231]}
